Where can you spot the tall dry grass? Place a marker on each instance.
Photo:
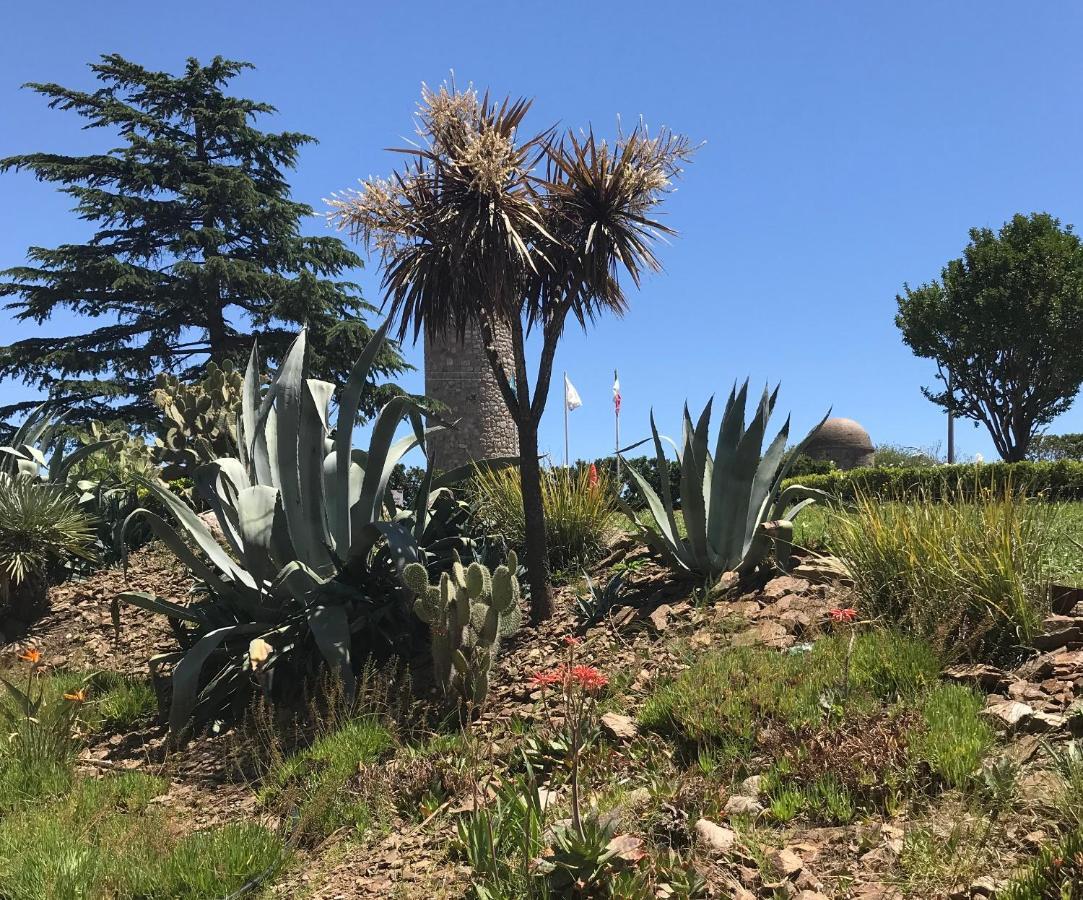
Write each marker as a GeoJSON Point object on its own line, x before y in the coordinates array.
{"type": "Point", "coordinates": [971, 576]}
{"type": "Point", "coordinates": [578, 513]}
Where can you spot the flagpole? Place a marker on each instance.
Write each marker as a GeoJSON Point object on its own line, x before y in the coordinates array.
{"type": "Point", "coordinates": [565, 420]}
{"type": "Point", "coordinates": [616, 431]}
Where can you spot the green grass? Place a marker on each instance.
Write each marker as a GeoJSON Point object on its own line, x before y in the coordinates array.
{"type": "Point", "coordinates": [725, 698]}
{"type": "Point", "coordinates": [834, 736]}
{"type": "Point", "coordinates": [312, 781]}
{"type": "Point", "coordinates": [102, 838]}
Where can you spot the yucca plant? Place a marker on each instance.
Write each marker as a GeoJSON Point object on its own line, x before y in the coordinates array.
{"type": "Point", "coordinates": [302, 512]}
{"type": "Point", "coordinates": [40, 526]}
{"type": "Point", "coordinates": [734, 509]}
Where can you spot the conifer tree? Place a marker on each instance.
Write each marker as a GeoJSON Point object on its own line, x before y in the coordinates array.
{"type": "Point", "coordinates": [197, 248]}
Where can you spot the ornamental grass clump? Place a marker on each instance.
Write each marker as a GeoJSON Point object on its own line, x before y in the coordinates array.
{"type": "Point", "coordinates": [971, 577]}
{"type": "Point", "coordinates": [579, 506]}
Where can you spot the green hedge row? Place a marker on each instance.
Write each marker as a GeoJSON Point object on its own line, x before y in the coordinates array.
{"type": "Point", "coordinates": [1062, 480]}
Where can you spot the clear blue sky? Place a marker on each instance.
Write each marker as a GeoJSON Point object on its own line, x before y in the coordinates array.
{"type": "Point", "coordinates": [849, 147]}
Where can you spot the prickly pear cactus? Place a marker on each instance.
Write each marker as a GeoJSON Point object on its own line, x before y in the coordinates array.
{"type": "Point", "coordinates": [469, 611]}
{"type": "Point", "coordinates": [199, 421]}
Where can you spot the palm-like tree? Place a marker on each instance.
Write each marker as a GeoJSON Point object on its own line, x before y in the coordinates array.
{"type": "Point", "coordinates": [483, 227]}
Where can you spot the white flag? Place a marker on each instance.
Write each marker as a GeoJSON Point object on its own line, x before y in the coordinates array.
{"type": "Point", "coordinates": [571, 395]}
{"type": "Point", "coordinates": [616, 392]}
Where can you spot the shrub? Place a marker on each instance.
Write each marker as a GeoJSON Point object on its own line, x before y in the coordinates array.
{"type": "Point", "coordinates": [40, 526]}
{"type": "Point", "coordinates": [1061, 480]}
{"type": "Point", "coordinates": [578, 510]}
{"type": "Point", "coordinates": [971, 577]}
{"type": "Point", "coordinates": [955, 739]}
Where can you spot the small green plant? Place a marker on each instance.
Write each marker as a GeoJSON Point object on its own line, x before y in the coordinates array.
{"type": "Point", "coordinates": [1068, 764]}
{"type": "Point", "coordinates": [969, 576]}
{"type": "Point", "coordinates": [594, 604]}
{"type": "Point", "coordinates": [955, 739]}
{"type": "Point", "coordinates": [1057, 873]}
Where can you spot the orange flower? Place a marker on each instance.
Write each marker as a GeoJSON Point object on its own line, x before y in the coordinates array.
{"type": "Point", "coordinates": [31, 656]}
{"type": "Point", "coordinates": [571, 641]}
{"type": "Point", "coordinates": [842, 615]}
{"type": "Point", "coordinates": [78, 696]}
{"type": "Point", "coordinates": [545, 679]}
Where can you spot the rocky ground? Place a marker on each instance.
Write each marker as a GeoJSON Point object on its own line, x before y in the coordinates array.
{"type": "Point", "coordinates": [661, 626]}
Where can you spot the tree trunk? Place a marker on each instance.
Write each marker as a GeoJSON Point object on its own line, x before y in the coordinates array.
{"type": "Point", "coordinates": [537, 548]}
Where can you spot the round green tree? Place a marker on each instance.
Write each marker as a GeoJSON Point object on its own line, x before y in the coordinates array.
{"type": "Point", "coordinates": [1004, 325]}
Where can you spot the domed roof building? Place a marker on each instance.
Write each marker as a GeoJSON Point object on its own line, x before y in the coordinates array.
{"type": "Point", "coordinates": [844, 442]}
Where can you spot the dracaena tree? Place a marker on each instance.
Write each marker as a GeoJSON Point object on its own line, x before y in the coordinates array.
{"type": "Point", "coordinates": [487, 226]}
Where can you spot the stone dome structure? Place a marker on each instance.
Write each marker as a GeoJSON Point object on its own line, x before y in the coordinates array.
{"type": "Point", "coordinates": [844, 442]}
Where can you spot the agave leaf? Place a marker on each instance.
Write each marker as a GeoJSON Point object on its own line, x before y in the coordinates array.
{"type": "Point", "coordinates": [199, 532]}
{"type": "Point", "coordinates": [383, 456]}
{"type": "Point", "coordinates": [256, 524]}
{"type": "Point", "coordinates": [168, 536]}
{"type": "Point", "coordinates": [765, 479]}
{"type": "Point", "coordinates": [723, 487]}
{"type": "Point", "coordinates": [693, 484]}
{"type": "Point", "coordinates": [330, 628]}
{"type": "Point", "coordinates": [186, 673]}
{"type": "Point", "coordinates": [349, 403]}
{"type": "Point", "coordinates": [58, 472]}
{"type": "Point", "coordinates": [154, 604]}
{"type": "Point", "coordinates": [402, 543]}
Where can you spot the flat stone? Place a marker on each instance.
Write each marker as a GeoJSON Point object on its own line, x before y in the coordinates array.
{"type": "Point", "coordinates": [660, 617]}
{"type": "Point", "coordinates": [1008, 713]}
{"type": "Point", "coordinates": [750, 787]}
{"type": "Point", "coordinates": [785, 862]}
{"type": "Point", "coordinates": [986, 678]}
{"type": "Point", "coordinates": [784, 584]}
{"type": "Point", "coordinates": [716, 837]}
{"type": "Point", "coordinates": [622, 728]}
{"type": "Point", "coordinates": [743, 806]}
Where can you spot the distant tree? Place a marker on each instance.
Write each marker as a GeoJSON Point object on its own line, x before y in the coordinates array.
{"type": "Point", "coordinates": [1005, 327]}
{"type": "Point", "coordinates": [485, 225]}
{"type": "Point", "coordinates": [1054, 447]}
{"type": "Point", "coordinates": [197, 248]}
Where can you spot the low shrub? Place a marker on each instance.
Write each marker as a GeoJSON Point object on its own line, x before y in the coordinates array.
{"type": "Point", "coordinates": [971, 577]}
{"type": "Point", "coordinates": [1062, 480]}
{"type": "Point", "coordinates": [955, 740]}
{"type": "Point", "coordinates": [579, 507]}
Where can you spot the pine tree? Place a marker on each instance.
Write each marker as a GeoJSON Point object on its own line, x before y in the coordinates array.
{"type": "Point", "coordinates": [197, 248]}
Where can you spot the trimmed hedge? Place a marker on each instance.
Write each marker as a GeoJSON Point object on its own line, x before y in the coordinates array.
{"type": "Point", "coordinates": [1061, 480]}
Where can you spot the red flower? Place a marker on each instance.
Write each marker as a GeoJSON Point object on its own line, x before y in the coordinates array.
{"type": "Point", "coordinates": [842, 615]}
{"type": "Point", "coordinates": [592, 476]}
{"type": "Point", "coordinates": [588, 678]}
{"type": "Point", "coordinates": [571, 641]}
{"type": "Point", "coordinates": [545, 679]}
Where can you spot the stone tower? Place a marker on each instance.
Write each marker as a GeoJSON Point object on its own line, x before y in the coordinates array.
{"type": "Point", "coordinates": [458, 375]}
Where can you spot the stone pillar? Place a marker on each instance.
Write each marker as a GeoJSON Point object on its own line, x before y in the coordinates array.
{"type": "Point", "coordinates": [458, 375]}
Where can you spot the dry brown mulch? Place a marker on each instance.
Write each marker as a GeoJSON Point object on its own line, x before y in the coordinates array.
{"type": "Point", "coordinates": [77, 630]}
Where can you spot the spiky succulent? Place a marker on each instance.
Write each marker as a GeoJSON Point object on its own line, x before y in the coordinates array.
{"type": "Point", "coordinates": [468, 611]}
{"type": "Point", "coordinates": [735, 511]}
{"type": "Point", "coordinates": [39, 524]}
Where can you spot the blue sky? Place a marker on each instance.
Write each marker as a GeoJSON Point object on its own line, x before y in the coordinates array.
{"type": "Point", "coordinates": [849, 147]}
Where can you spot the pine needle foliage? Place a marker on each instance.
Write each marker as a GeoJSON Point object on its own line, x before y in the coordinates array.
{"type": "Point", "coordinates": [196, 245]}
